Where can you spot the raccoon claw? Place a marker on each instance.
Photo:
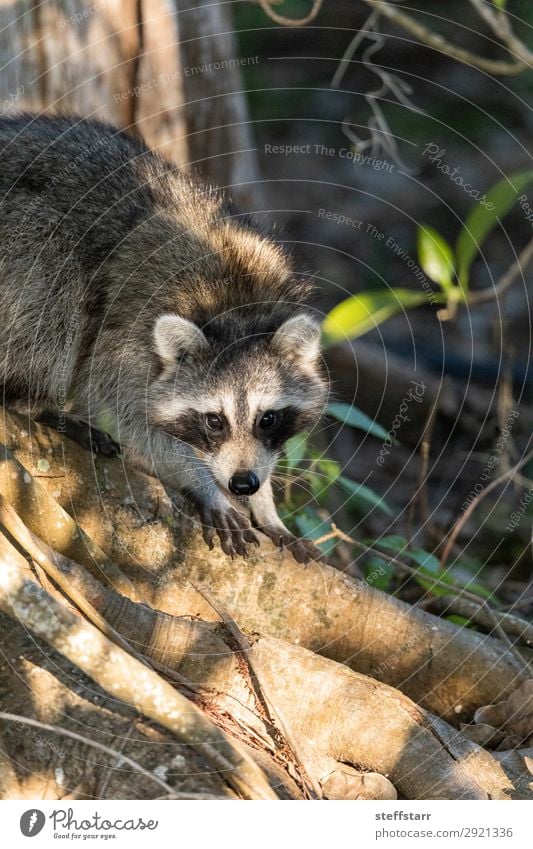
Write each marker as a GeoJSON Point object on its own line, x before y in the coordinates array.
{"type": "Point", "coordinates": [303, 550]}
{"type": "Point", "coordinates": [208, 535]}
{"type": "Point", "coordinates": [233, 530]}
{"type": "Point", "coordinates": [250, 537]}
{"type": "Point", "coordinates": [102, 443]}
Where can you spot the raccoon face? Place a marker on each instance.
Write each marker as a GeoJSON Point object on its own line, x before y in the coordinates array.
{"type": "Point", "coordinates": [237, 404]}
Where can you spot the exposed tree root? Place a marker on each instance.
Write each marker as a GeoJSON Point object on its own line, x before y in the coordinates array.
{"type": "Point", "coordinates": [335, 714]}
{"type": "Point", "coordinates": [308, 716]}
{"type": "Point", "coordinates": [449, 670]}
{"type": "Point", "coordinates": [121, 674]}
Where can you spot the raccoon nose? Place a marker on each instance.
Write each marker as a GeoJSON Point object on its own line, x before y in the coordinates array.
{"type": "Point", "coordinates": [243, 483]}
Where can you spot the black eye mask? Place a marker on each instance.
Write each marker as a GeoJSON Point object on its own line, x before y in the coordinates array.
{"type": "Point", "coordinates": [191, 427]}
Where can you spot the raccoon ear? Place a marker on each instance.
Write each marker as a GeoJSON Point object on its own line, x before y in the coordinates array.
{"type": "Point", "coordinates": [175, 336]}
{"type": "Point", "coordinates": [298, 338]}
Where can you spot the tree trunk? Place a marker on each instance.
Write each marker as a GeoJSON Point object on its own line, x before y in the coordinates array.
{"type": "Point", "coordinates": [170, 72]}
{"type": "Point", "coordinates": [218, 123]}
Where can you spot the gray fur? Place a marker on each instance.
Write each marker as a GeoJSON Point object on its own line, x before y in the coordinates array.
{"type": "Point", "coordinates": [128, 289]}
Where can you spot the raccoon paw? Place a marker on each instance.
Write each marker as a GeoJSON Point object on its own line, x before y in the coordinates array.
{"type": "Point", "coordinates": [233, 529]}
{"type": "Point", "coordinates": [88, 437]}
{"type": "Point", "coordinates": [303, 550]}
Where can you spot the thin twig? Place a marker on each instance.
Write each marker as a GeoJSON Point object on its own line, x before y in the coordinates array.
{"type": "Point", "coordinates": [367, 27]}
{"type": "Point", "coordinates": [512, 625]}
{"type": "Point", "coordinates": [266, 6]}
{"type": "Point", "coordinates": [412, 570]}
{"type": "Point", "coordinates": [436, 41]}
{"type": "Point", "coordinates": [499, 23]}
{"type": "Point", "coordinates": [391, 86]}
{"type": "Point", "coordinates": [520, 602]}
{"type": "Point", "coordinates": [335, 533]}
{"type": "Point", "coordinates": [507, 279]}
{"type": "Point", "coordinates": [476, 502]}
{"type": "Point", "coordinates": [56, 729]}
{"type": "Point", "coordinates": [271, 717]}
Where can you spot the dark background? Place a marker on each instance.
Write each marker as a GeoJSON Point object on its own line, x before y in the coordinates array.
{"type": "Point", "coordinates": [484, 125]}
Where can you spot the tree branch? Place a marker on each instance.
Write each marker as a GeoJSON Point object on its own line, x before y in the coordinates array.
{"type": "Point", "coordinates": [438, 42]}
{"type": "Point", "coordinates": [499, 24]}
{"type": "Point", "coordinates": [476, 502]}
{"type": "Point", "coordinates": [519, 265]}
{"type": "Point", "coordinates": [266, 6]}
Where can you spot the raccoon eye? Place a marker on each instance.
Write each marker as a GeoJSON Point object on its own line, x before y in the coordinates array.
{"type": "Point", "coordinates": [269, 419]}
{"type": "Point", "coordinates": [214, 422]}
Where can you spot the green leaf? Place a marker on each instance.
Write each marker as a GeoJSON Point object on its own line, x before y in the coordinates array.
{"type": "Point", "coordinates": [322, 478]}
{"type": "Point", "coordinates": [428, 583]}
{"type": "Point", "coordinates": [378, 573]}
{"type": "Point", "coordinates": [394, 543]}
{"type": "Point", "coordinates": [350, 415]}
{"type": "Point", "coordinates": [482, 218]}
{"type": "Point", "coordinates": [452, 575]}
{"type": "Point", "coordinates": [294, 451]}
{"type": "Point", "coordinates": [360, 313]}
{"type": "Point", "coordinates": [435, 256]}
{"type": "Point", "coordinates": [329, 469]}
{"type": "Point", "coordinates": [430, 566]}
{"type": "Point", "coordinates": [362, 497]}
{"type": "Point", "coordinates": [428, 561]}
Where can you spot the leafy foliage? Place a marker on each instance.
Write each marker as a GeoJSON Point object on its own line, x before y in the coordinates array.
{"type": "Point", "coordinates": [428, 569]}
{"type": "Point", "coordinates": [448, 269]}
{"type": "Point", "coordinates": [482, 219]}
{"type": "Point", "coordinates": [309, 476]}
{"type": "Point", "coordinates": [435, 256]}
{"type": "Point", "coordinates": [352, 416]}
{"type": "Point", "coordinates": [360, 313]}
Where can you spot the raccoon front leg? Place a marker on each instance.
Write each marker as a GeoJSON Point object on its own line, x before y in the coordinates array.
{"type": "Point", "coordinates": [266, 517]}
{"type": "Point", "coordinates": [80, 431]}
{"type": "Point", "coordinates": [177, 466]}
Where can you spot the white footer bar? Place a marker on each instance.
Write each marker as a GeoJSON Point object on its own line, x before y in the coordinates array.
{"type": "Point", "coordinates": [266, 825]}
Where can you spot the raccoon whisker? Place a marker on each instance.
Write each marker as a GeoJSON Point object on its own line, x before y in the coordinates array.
{"type": "Point", "coordinates": [303, 472]}
{"type": "Point", "coordinates": [289, 479]}
{"type": "Point", "coordinates": [198, 453]}
{"type": "Point", "coordinates": [304, 485]}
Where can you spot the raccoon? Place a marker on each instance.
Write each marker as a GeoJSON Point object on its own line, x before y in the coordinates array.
{"type": "Point", "coordinates": [129, 290]}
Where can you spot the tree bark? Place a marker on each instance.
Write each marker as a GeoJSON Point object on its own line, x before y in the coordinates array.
{"type": "Point", "coordinates": [218, 121]}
